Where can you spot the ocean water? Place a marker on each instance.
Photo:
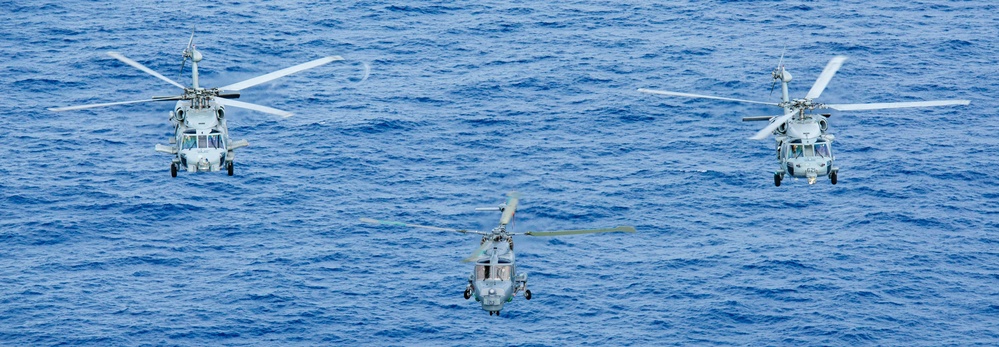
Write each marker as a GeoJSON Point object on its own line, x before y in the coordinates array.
{"type": "Point", "coordinates": [465, 101]}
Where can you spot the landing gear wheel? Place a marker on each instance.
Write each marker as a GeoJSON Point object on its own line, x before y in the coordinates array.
{"type": "Point", "coordinates": [173, 170]}
{"type": "Point", "coordinates": [527, 294]}
{"type": "Point", "coordinates": [832, 177]}
{"type": "Point", "coordinates": [468, 294]}
{"type": "Point", "coordinates": [497, 313]}
{"type": "Point", "coordinates": [490, 313]}
{"type": "Point", "coordinates": [777, 179]}
{"type": "Point", "coordinates": [228, 166]}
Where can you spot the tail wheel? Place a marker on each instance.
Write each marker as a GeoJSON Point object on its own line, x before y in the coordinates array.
{"type": "Point", "coordinates": [832, 177]}
{"type": "Point", "coordinates": [468, 293]}
{"type": "Point", "coordinates": [527, 294]}
{"type": "Point", "coordinates": [173, 169]}
{"type": "Point", "coordinates": [228, 166]}
{"type": "Point", "coordinates": [777, 180]}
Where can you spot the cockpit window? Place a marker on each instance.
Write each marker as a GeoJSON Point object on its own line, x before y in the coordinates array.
{"type": "Point", "coordinates": [809, 151]}
{"type": "Point", "coordinates": [497, 272]}
{"type": "Point", "coordinates": [822, 150]}
{"type": "Point", "coordinates": [203, 141]}
{"type": "Point", "coordinates": [796, 151]}
{"type": "Point", "coordinates": [502, 272]}
{"type": "Point", "coordinates": [189, 142]}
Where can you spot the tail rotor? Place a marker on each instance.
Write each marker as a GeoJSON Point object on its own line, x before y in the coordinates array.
{"type": "Point", "coordinates": [187, 53]}
{"type": "Point", "coordinates": [778, 72]}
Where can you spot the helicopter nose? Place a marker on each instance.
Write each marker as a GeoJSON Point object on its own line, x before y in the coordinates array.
{"type": "Point", "coordinates": [492, 303]}
{"type": "Point", "coordinates": [494, 297]}
{"type": "Point", "coordinates": [203, 164]}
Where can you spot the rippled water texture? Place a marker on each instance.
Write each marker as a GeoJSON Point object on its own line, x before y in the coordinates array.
{"type": "Point", "coordinates": [466, 101]}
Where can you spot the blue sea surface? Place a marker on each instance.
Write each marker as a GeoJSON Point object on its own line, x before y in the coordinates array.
{"type": "Point", "coordinates": [465, 101]}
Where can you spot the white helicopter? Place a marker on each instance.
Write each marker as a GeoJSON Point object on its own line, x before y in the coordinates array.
{"type": "Point", "coordinates": [804, 148]}
{"type": "Point", "coordinates": [494, 280]}
{"type": "Point", "coordinates": [201, 138]}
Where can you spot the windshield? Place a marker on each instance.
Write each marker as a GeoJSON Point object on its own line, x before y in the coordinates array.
{"type": "Point", "coordinates": [796, 151]}
{"type": "Point", "coordinates": [822, 149]}
{"type": "Point", "coordinates": [498, 272]}
{"type": "Point", "coordinates": [203, 141]}
{"type": "Point", "coordinates": [819, 149]}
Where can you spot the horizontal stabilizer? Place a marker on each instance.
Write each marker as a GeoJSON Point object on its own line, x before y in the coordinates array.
{"type": "Point", "coordinates": [166, 149]}
{"type": "Point", "coordinates": [238, 144]}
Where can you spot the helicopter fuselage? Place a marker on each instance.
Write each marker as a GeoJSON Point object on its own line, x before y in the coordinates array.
{"type": "Point", "coordinates": [201, 137]}
{"type": "Point", "coordinates": [494, 280]}
{"type": "Point", "coordinates": [804, 149]}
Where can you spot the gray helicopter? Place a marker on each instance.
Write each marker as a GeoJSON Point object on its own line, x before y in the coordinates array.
{"type": "Point", "coordinates": [494, 280]}
{"type": "Point", "coordinates": [804, 148]}
{"type": "Point", "coordinates": [201, 137]}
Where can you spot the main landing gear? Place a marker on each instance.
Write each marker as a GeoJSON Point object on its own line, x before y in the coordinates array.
{"type": "Point", "coordinates": [777, 179]}
{"type": "Point", "coordinates": [832, 177]}
{"type": "Point", "coordinates": [173, 169]}
{"type": "Point", "coordinates": [496, 312]}
{"type": "Point", "coordinates": [228, 166]}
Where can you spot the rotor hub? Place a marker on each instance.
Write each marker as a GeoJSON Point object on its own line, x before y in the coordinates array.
{"type": "Point", "coordinates": [803, 104]}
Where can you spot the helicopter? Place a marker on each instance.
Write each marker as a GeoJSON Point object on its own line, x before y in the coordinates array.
{"type": "Point", "coordinates": [201, 140]}
{"type": "Point", "coordinates": [803, 145]}
{"type": "Point", "coordinates": [494, 280]}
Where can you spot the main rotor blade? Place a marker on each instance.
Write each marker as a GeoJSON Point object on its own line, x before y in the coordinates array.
{"type": "Point", "coordinates": [511, 208]}
{"type": "Point", "coordinates": [762, 134]}
{"type": "Point", "coordinates": [255, 107]}
{"type": "Point", "coordinates": [627, 229]}
{"type": "Point", "coordinates": [401, 224]}
{"type": "Point", "coordinates": [81, 107]}
{"type": "Point", "coordinates": [827, 74]}
{"type": "Point", "coordinates": [145, 69]}
{"type": "Point", "coordinates": [280, 73]}
{"type": "Point", "coordinates": [879, 106]}
{"type": "Point", "coordinates": [688, 95]}
{"type": "Point", "coordinates": [477, 252]}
